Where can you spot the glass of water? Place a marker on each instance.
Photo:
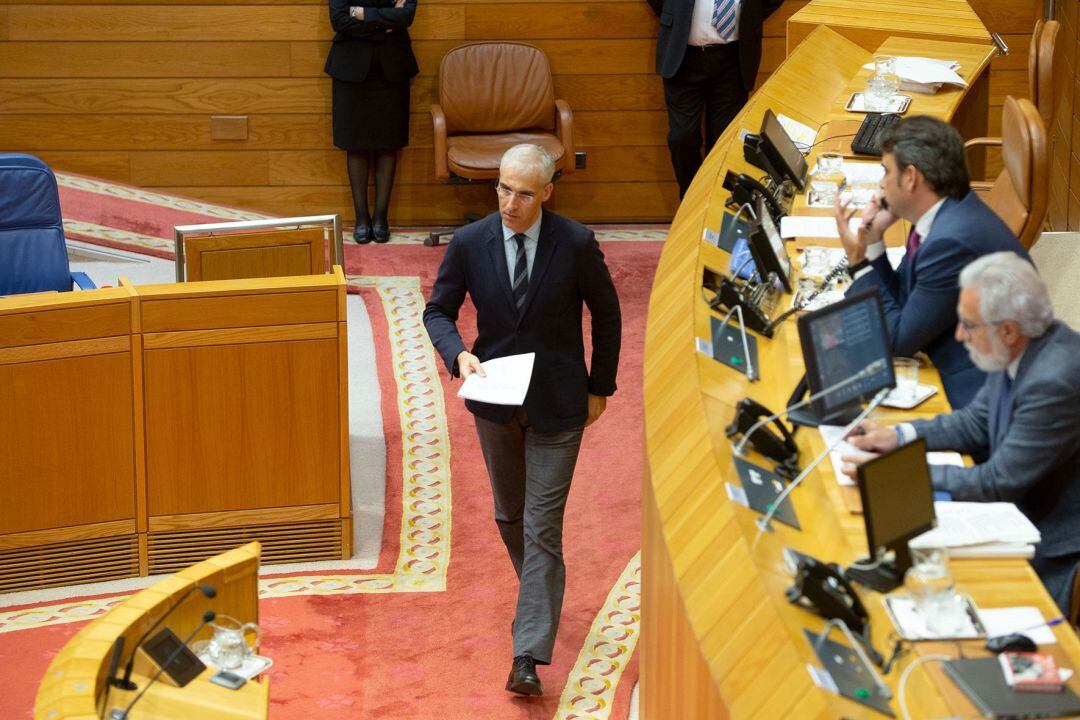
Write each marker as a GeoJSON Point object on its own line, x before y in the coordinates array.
{"type": "Point", "coordinates": [827, 179]}
{"type": "Point", "coordinates": [933, 590]}
{"type": "Point", "coordinates": [882, 85]}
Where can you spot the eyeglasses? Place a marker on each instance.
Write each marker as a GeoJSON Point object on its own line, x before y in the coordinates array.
{"type": "Point", "coordinates": [967, 326]}
{"type": "Point", "coordinates": [507, 194]}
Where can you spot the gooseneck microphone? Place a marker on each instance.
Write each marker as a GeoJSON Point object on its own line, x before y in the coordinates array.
{"type": "Point", "coordinates": [208, 617]}
{"type": "Point", "coordinates": [871, 369]}
{"type": "Point", "coordinates": [125, 684]}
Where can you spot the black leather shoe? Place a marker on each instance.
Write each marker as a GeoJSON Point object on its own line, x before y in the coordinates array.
{"type": "Point", "coordinates": [523, 679]}
{"type": "Point", "coordinates": [381, 233]}
{"type": "Point", "coordinates": [363, 235]}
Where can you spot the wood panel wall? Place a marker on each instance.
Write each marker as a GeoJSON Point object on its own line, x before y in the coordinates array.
{"type": "Point", "coordinates": [1064, 213]}
{"type": "Point", "coordinates": [124, 90]}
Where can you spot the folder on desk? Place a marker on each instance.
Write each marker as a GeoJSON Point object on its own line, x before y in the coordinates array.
{"type": "Point", "coordinates": [983, 682]}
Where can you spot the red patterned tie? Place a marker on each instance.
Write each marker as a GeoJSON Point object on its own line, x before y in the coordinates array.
{"type": "Point", "coordinates": [913, 241]}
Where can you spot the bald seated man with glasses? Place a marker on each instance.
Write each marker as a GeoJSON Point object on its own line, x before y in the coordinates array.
{"type": "Point", "coordinates": [528, 272]}
{"type": "Point", "coordinates": [1026, 416]}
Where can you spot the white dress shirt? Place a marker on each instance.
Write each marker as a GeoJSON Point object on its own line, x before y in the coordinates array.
{"type": "Point", "coordinates": [702, 31]}
{"type": "Point", "coordinates": [532, 236]}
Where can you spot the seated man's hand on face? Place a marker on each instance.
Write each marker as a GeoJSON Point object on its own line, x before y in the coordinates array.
{"type": "Point", "coordinates": [875, 220]}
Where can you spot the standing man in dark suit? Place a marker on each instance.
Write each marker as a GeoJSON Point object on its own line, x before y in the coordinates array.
{"type": "Point", "coordinates": [1026, 416]}
{"type": "Point", "coordinates": [528, 271]}
{"type": "Point", "coordinates": [708, 53]}
{"type": "Point", "coordinates": [925, 183]}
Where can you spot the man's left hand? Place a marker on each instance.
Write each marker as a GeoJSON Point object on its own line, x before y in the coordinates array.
{"type": "Point", "coordinates": [597, 405]}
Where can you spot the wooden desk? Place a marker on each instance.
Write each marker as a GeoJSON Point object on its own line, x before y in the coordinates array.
{"type": "Point", "coordinates": [148, 427]}
{"type": "Point", "coordinates": [719, 638]}
{"type": "Point", "coordinates": [74, 686]}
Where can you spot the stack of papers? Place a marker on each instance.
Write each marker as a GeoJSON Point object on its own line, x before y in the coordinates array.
{"type": "Point", "coordinates": [832, 433]}
{"type": "Point", "coordinates": [971, 529]}
{"type": "Point", "coordinates": [813, 226]}
{"type": "Point", "coordinates": [925, 75]}
{"type": "Point", "coordinates": [506, 381]}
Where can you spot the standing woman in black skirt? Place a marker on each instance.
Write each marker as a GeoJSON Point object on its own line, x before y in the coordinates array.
{"type": "Point", "coordinates": [371, 62]}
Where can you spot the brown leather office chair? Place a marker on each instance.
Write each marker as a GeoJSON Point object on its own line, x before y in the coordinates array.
{"type": "Point", "coordinates": [1020, 194]}
{"type": "Point", "coordinates": [492, 96]}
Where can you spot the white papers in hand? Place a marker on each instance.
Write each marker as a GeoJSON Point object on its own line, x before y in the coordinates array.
{"type": "Point", "coordinates": [506, 383]}
{"type": "Point", "coordinates": [813, 226]}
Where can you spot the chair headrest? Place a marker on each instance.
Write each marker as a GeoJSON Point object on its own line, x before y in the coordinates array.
{"type": "Point", "coordinates": [28, 194]}
{"type": "Point", "coordinates": [495, 87]}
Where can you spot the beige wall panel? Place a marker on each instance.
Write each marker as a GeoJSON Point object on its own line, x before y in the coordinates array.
{"type": "Point", "coordinates": [530, 22]}
{"type": "Point", "coordinates": [213, 446]}
{"type": "Point", "coordinates": [611, 92]}
{"type": "Point", "coordinates": [113, 165]}
{"type": "Point", "coordinates": [241, 167]}
{"type": "Point", "coordinates": [67, 453]}
{"type": "Point", "coordinates": [201, 23]}
{"type": "Point", "coordinates": [586, 202]}
{"type": "Point", "coordinates": [1008, 16]}
{"type": "Point", "coordinates": [143, 59]}
{"type": "Point", "coordinates": [225, 96]}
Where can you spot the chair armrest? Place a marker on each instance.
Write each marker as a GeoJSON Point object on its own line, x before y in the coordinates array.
{"type": "Point", "coordinates": [83, 281]}
{"type": "Point", "coordinates": [982, 142]}
{"type": "Point", "coordinates": [564, 129]}
{"type": "Point", "coordinates": [438, 119]}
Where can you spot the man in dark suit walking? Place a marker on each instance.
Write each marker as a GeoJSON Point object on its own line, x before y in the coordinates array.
{"type": "Point", "coordinates": [708, 53]}
{"type": "Point", "coordinates": [925, 183]}
{"type": "Point", "coordinates": [528, 271]}
{"type": "Point", "coordinates": [1025, 418]}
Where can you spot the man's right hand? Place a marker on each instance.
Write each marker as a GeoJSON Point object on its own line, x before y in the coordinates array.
{"type": "Point", "coordinates": [468, 364]}
{"type": "Point", "coordinates": [872, 437]}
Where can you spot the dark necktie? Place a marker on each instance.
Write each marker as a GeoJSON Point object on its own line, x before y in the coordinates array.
{"type": "Point", "coordinates": [1004, 412]}
{"type": "Point", "coordinates": [521, 273]}
{"type": "Point", "coordinates": [913, 241]}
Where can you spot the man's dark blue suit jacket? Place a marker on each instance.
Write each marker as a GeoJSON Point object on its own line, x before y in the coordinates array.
{"type": "Point", "coordinates": [568, 270]}
{"type": "Point", "coordinates": [920, 298]}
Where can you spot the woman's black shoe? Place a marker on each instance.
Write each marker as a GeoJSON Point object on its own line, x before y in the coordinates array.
{"type": "Point", "coordinates": [362, 235]}
{"type": "Point", "coordinates": [381, 233]}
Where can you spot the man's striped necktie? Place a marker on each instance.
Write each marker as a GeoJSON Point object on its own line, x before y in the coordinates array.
{"type": "Point", "coordinates": [521, 273]}
{"type": "Point", "coordinates": [725, 17]}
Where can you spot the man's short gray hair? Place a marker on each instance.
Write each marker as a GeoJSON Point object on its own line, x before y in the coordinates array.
{"type": "Point", "coordinates": [1009, 289]}
{"type": "Point", "coordinates": [529, 157]}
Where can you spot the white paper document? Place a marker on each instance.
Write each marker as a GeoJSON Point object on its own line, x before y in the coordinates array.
{"type": "Point", "coordinates": [996, 528]}
{"type": "Point", "coordinates": [1004, 621]}
{"type": "Point", "coordinates": [926, 75]}
{"type": "Point", "coordinates": [813, 226]}
{"type": "Point", "coordinates": [506, 383]}
{"type": "Point", "coordinates": [829, 433]}
{"type": "Point", "coordinates": [802, 135]}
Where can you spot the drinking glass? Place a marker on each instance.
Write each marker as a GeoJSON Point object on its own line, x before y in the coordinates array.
{"type": "Point", "coordinates": [882, 84]}
{"type": "Point", "coordinates": [827, 179]}
{"type": "Point", "coordinates": [933, 590]}
{"type": "Point", "coordinates": [907, 378]}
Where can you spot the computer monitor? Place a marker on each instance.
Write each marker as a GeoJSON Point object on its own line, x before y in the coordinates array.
{"type": "Point", "coordinates": [767, 247]}
{"type": "Point", "coordinates": [781, 151]}
{"type": "Point", "coordinates": [845, 340]}
{"type": "Point", "coordinates": [898, 505]}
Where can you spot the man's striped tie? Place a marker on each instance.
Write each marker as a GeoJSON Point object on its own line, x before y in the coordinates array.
{"type": "Point", "coordinates": [724, 18]}
{"type": "Point", "coordinates": [521, 273]}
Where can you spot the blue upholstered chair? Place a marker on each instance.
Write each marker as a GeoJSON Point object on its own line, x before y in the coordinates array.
{"type": "Point", "coordinates": [33, 256]}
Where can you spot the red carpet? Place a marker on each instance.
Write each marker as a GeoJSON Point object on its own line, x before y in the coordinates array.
{"type": "Point", "coordinates": [441, 655]}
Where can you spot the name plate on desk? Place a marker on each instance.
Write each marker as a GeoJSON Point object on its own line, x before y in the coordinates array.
{"type": "Point", "coordinates": [762, 487]}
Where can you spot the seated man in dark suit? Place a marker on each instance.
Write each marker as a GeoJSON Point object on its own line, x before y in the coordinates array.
{"type": "Point", "coordinates": [925, 183]}
{"type": "Point", "coordinates": [1026, 416]}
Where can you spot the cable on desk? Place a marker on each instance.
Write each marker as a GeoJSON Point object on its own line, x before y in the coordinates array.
{"type": "Point", "coordinates": [904, 677]}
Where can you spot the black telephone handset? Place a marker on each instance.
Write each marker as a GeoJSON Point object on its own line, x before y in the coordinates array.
{"type": "Point", "coordinates": [729, 294]}
{"type": "Point", "coordinates": [780, 448]}
{"type": "Point", "coordinates": [745, 189]}
{"type": "Point", "coordinates": [823, 589]}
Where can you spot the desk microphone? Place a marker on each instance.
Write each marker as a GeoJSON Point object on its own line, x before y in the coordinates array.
{"type": "Point", "coordinates": [125, 684]}
{"type": "Point", "coordinates": [763, 523]}
{"type": "Point", "coordinates": [872, 369]}
{"type": "Point", "coordinates": [208, 617]}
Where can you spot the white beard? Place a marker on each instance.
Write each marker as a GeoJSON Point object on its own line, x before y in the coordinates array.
{"type": "Point", "coordinates": [994, 361]}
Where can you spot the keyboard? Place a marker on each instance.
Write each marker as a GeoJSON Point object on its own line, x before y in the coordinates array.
{"type": "Point", "coordinates": [868, 140]}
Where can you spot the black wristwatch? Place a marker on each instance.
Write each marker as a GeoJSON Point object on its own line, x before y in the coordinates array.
{"type": "Point", "coordinates": [853, 269]}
